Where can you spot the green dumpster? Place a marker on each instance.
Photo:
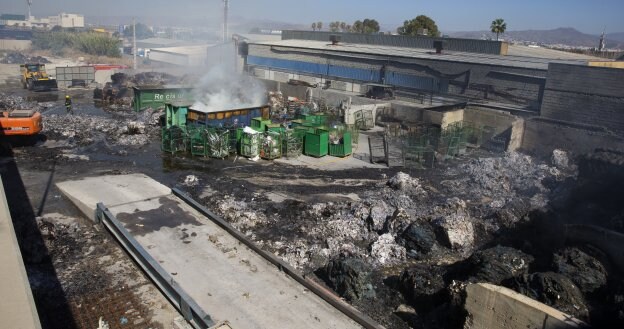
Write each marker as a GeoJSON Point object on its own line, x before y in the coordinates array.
{"type": "Point", "coordinates": [343, 148]}
{"type": "Point", "coordinates": [316, 143]}
{"type": "Point", "coordinates": [156, 96]}
{"type": "Point", "coordinates": [275, 127]}
{"type": "Point", "coordinates": [259, 124]}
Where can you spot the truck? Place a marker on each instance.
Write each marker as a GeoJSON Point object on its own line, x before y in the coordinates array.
{"type": "Point", "coordinates": [34, 77]}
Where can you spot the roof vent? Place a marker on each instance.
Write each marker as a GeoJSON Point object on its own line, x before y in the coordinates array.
{"type": "Point", "coordinates": [335, 39]}
{"type": "Point", "coordinates": [439, 46]}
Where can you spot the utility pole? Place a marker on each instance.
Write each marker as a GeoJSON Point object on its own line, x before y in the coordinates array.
{"type": "Point", "coordinates": [134, 51]}
{"type": "Point", "coordinates": [226, 4]}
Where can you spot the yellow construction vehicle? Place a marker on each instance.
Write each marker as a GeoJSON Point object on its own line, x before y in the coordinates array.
{"type": "Point", "coordinates": [34, 77]}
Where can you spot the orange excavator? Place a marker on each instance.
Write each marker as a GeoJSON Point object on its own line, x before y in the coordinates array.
{"type": "Point", "coordinates": [20, 123]}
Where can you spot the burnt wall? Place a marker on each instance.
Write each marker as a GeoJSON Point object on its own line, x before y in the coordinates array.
{"type": "Point", "coordinates": [503, 84]}
{"type": "Point", "coordinates": [584, 94]}
{"type": "Point", "coordinates": [542, 136]}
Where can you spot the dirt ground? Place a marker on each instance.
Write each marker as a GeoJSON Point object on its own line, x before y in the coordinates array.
{"type": "Point", "coordinates": [400, 246]}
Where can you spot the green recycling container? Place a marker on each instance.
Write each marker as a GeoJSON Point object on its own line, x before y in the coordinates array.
{"type": "Point", "coordinates": [316, 143]}
{"type": "Point", "coordinates": [343, 149]}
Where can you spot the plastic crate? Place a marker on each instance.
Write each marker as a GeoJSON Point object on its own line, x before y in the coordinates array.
{"type": "Point", "coordinates": [316, 144]}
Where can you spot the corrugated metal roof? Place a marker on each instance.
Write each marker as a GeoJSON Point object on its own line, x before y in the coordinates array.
{"type": "Point", "coordinates": [185, 50]}
{"type": "Point", "coordinates": [541, 52]}
{"type": "Point", "coordinates": [415, 53]}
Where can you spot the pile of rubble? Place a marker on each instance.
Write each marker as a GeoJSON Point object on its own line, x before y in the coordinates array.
{"type": "Point", "coordinates": [19, 58]}
{"type": "Point", "coordinates": [13, 102]}
{"type": "Point", "coordinates": [86, 129]}
{"type": "Point", "coordinates": [446, 228]}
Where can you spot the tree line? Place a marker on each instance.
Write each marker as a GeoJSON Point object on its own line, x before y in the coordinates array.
{"type": "Point", "coordinates": [87, 42]}
{"type": "Point", "coordinates": [421, 24]}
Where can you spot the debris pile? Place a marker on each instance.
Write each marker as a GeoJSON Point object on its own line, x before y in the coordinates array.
{"type": "Point", "coordinates": [86, 129]}
{"type": "Point", "coordinates": [19, 58]}
{"type": "Point", "coordinates": [450, 230]}
{"type": "Point", "coordinates": [13, 102]}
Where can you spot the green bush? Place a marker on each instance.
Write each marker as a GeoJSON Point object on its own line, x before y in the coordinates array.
{"type": "Point", "coordinates": [86, 42]}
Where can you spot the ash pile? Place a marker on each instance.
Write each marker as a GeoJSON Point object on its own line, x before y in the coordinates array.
{"type": "Point", "coordinates": [131, 129]}
{"type": "Point", "coordinates": [409, 246]}
{"type": "Point", "coordinates": [19, 58]}
{"type": "Point", "coordinates": [10, 103]}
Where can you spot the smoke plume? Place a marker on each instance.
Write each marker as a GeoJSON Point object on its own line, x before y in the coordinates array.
{"type": "Point", "coordinates": [223, 89]}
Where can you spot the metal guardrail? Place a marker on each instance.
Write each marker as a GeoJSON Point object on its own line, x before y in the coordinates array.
{"type": "Point", "coordinates": [314, 287]}
{"type": "Point", "coordinates": [189, 309]}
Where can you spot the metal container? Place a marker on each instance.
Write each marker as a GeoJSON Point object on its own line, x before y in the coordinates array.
{"type": "Point", "coordinates": [156, 97]}
{"type": "Point", "coordinates": [271, 146]}
{"type": "Point", "coordinates": [233, 118]}
{"type": "Point", "coordinates": [176, 113]}
{"type": "Point", "coordinates": [343, 149]}
{"type": "Point", "coordinates": [275, 127]}
{"type": "Point", "coordinates": [259, 124]}
{"type": "Point", "coordinates": [316, 144]}
{"type": "Point", "coordinates": [250, 144]}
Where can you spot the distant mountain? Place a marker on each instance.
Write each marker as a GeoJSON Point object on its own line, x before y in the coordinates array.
{"type": "Point", "coordinates": [564, 36]}
{"type": "Point", "coordinates": [616, 36]}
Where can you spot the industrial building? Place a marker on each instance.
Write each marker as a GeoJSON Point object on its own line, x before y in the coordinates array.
{"type": "Point", "coordinates": [473, 70]}
{"type": "Point", "coordinates": [63, 20]}
{"type": "Point", "coordinates": [541, 86]}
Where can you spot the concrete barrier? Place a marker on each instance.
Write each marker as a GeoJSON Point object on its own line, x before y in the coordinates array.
{"type": "Point", "coordinates": [15, 45]}
{"type": "Point", "coordinates": [17, 307]}
{"type": "Point", "coordinates": [491, 307]}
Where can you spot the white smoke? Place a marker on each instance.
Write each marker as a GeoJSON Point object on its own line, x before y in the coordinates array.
{"type": "Point", "coordinates": [224, 89]}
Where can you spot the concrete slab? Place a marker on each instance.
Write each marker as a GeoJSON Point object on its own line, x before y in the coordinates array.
{"type": "Point", "coordinates": [17, 307]}
{"type": "Point", "coordinates": [226, 279]}
{"type": "Point", "coordinates": [491, 306]}
{"type": "Point", "coordinates": [111, 190]}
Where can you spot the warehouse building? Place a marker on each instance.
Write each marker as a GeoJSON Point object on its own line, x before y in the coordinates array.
{"type": "Point", "coordinates": [461, 69]}
{"type": "Point", "coordinates": [547, 98]}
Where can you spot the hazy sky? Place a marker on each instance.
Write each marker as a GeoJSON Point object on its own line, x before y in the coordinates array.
{"type": "Point", "coordinates": [589, 16]}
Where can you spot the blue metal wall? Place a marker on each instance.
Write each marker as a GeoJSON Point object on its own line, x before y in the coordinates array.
{"type": "Point", "coordinates": [416, 82]}
{"type": "Point", "coordinates": [350, 73]}
{"type": "Point", "coordinates": [316, 69]}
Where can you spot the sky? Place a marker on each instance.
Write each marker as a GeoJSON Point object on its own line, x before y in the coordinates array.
{"type": "Point", "coordinates": [589, 16]}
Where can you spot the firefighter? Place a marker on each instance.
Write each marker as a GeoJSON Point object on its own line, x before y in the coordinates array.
{"type": "Point", "coordinates": [68, 104]}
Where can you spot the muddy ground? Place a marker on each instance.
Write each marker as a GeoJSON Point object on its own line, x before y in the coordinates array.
{"type": "Point", "coordinates": [400, 246]}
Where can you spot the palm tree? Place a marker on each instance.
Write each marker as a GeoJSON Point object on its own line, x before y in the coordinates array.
{"type": "Point", "coordinates": [319, 25]}
{"type": "Point", "coordinates": [498, 26]}
{"type": "Point", "coordinates": [313, 26]}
